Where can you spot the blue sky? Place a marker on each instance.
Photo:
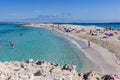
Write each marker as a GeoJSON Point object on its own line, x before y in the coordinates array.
{"type": "Point", "coordinates": [60, 10]}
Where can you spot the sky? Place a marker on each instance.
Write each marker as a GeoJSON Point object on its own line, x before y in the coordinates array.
{"type": "Point", "coordinates": [60, 10]}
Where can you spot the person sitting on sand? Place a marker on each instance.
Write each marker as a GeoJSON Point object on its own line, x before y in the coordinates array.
{"type": "Point", "coordinates": [12, 44]}
{"type": "Point", "coordinates": [88, 43]}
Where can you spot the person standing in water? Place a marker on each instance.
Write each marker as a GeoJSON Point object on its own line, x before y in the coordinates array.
{"type": "Point", "coordinates": [88, 43]}
{"type": "Point", "coordinates": [20, 34]}
{"type": "Point", "coordinates": [12, 44]}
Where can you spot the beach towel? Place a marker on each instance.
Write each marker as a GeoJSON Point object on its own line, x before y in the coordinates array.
{"type": "Point", "coordinates": [115, 32]}
{"type": "Point", "coordinates": [107, 35]}
{"type": "Point", "coordinates": [116, 79]}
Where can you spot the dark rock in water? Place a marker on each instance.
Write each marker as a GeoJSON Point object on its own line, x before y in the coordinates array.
{"type": "Point", "coordinates": [30, 61]}
{"type": "Point", "coordinates": [68, 67]}
{"type": "Point", "coordinates": [54, 64]}
{"type": "Point", "coordinates": [38, 73]}
{"type": "Point", "coordinates": [40, 62]}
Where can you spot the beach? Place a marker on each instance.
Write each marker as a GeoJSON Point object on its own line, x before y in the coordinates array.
{"type": "Point", "coordinates": [60, 40]}
{"type": "Point", "coordinates": [95, 62]}
{"type": "Point", "coordinates": [101, 56]}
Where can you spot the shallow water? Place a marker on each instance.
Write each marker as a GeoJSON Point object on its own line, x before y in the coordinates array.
{"type": "Point", "coordinates": [38, 43]}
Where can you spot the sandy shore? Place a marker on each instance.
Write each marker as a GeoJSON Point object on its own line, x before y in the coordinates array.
{"type": "Point", "coordinates": [97, 54]}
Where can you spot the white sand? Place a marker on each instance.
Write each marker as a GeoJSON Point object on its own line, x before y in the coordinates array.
{"type": "Point", "coordinates": [100, 56]}
{"type": "Point", "coordinates": [103, 58]}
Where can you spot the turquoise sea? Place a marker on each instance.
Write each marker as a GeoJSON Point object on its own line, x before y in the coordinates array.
{"type": "Point", "coordinates": [38, 43]}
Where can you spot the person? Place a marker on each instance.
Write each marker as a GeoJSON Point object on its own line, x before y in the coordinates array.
{"type": "Point", "coordinates": [12, 44]}
{"type": "Point", "coordinates": [88, 43]}
{"type": "Point", "coordinates": [20, 34]}
{"type": "Point", "coordinates": [91, 32]}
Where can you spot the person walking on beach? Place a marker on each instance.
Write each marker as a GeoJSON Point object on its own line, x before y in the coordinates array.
{"type": "Point", "coordinates": [88, 43]}
{"type": "Point", "coordinates": [12, 44]}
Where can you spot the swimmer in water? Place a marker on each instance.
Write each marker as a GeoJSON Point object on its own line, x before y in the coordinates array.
{"type": "Point", "coordinates": [20, 34]}
{"type": "Point", "coordinates": [12, 44]}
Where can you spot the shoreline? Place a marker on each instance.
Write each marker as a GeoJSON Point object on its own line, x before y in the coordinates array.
{"type": "Point", "coordinates": [108, 68]}
{"type": "Point", "coordinates": [90, 65]}
{"type": "Point", "coordinates": [96, 53]}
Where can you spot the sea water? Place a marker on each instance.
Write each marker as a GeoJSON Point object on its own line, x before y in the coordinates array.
{"type": "Point", "coordinates": [38, 44]}
{"type": "Point", "coordinates": [105, 25]}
